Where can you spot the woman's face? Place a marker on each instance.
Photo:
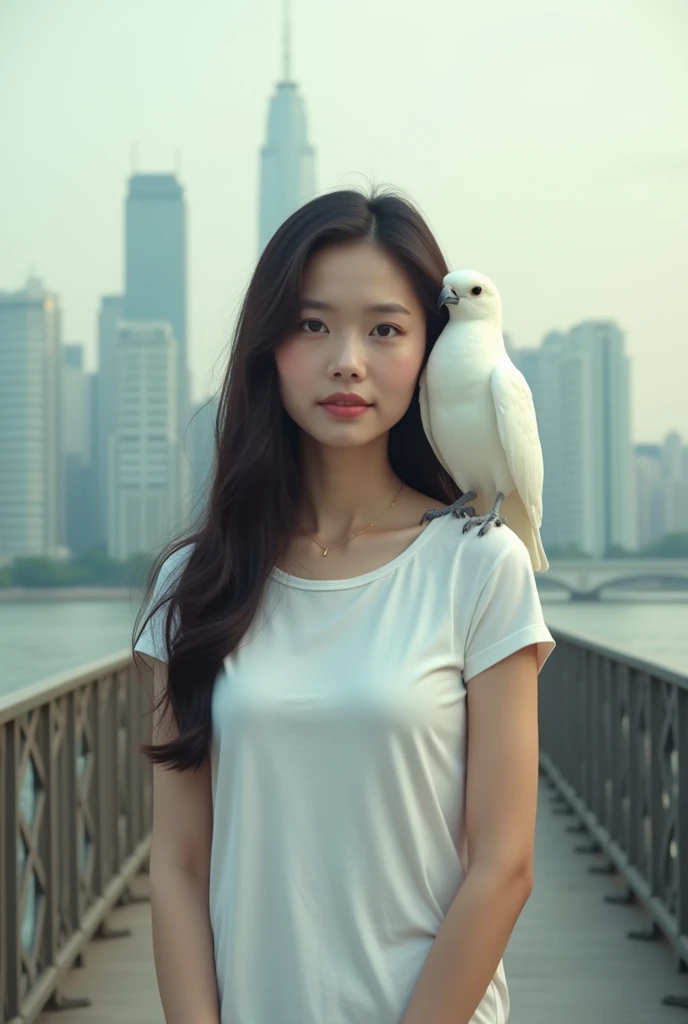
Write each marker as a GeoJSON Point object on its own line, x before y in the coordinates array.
{"type": "Point", "coordinates": [343, 344]}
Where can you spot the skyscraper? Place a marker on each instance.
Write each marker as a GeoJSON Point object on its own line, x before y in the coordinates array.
{"type": "Point", "coordinates": [155, 262]}
{"type": "Point", "coordinates": [287, 160]}
{"type": "Point", "coordinates": [31, 477]}
{"type": "Point", "coordinates": [580, 385]}
{"type": "Point", "coordinates": [143, 463]}
{"type": "Point", "coordinates": [662, 482]}
{"type": "Point", "coordinates": [650, 486]}
{"type": "Point", "coordinates": [110, 313]}
{"type": "Point", "coordinates": [155, 278]}
{"type": "Point", "coordinates": [674, 461]}
{"type": "Point", "coordinates": [609, 416]}
{"type": "Point", "coordinates": [77, 437]}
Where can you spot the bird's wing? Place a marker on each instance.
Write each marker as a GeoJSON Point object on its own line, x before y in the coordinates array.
{"type": "Point", "coordinates": [518, 432]}
{"type": "Point", "coordinates": [425, 417]}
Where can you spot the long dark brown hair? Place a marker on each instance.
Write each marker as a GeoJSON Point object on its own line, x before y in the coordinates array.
{"type": "Point", "coordinates": [249, 515]}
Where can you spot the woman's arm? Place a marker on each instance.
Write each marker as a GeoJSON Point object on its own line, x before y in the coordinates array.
{"type": "Point", "coordinates": [501, 803]}
{"type": "Point", "coordinates": [179, 879]}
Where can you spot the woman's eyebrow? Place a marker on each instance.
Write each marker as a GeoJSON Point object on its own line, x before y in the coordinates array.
{"type": "Point", "coordinates": [379, 307]}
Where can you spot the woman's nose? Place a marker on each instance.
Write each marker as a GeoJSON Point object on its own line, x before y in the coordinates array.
{"type": "Point", "coordinates": [349, 355]}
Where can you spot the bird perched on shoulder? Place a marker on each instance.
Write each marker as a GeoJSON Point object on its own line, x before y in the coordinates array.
{"type": "Point", "coordinates": [478, 415]}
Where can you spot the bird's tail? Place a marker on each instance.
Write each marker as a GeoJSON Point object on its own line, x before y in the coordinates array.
{"type": "Point", "coordinates": [516, 515]}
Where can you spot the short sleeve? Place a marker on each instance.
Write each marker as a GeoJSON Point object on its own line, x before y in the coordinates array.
{"type": "Point", "coordinates": [152, 639]}
{"type": "Point", "coordinates": [507, 615]}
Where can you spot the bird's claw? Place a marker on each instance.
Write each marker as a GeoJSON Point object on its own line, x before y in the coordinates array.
{"type": "Point", "coordinates": [457, 508]}
{"type": "Point", "coordinates": [432, 513]}
{"type": "Point", "coordinates": [485, 522]}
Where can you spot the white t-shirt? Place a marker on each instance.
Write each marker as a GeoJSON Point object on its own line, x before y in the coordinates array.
{"type": "Point", "coordinates": [338, 775]}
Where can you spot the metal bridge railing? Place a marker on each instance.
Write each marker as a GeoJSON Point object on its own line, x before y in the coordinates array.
{"type": "Point", "coordinates": [76, 799]}
{"type": "Point", "coordinates": [614, 742]}
{"type": "Point", "coordinates": [75, 815]}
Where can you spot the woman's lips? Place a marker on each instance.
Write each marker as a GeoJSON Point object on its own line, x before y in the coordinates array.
{"type": "Point", "coordinates": [345, 412]}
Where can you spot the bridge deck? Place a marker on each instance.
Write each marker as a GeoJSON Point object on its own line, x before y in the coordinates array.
{"type": "Point", "coordinates": [569, 961]}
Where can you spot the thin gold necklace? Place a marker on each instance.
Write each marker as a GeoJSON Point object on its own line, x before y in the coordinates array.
{"type": "Point", "coordinates": [358, 532]}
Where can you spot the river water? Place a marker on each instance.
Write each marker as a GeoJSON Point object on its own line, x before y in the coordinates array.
{"type": "Point", "coordinates": [41, 639]}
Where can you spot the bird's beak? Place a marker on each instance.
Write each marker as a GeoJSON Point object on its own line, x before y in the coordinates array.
{"type": "Point", "coordinates": [447, 297]}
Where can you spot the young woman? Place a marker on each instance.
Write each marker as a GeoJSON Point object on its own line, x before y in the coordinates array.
{"type": "Point", "coordinates": [345, 741]}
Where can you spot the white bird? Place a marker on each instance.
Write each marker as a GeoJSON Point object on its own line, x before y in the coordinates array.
{"type": "Point", "coordinates": [478, 415]}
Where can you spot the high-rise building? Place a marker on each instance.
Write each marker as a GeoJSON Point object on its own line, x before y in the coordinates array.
{"type": "Point", "coordinates": [662, 489]}
{"type": "Point", "coordinates": [580, 385]}
{"type": "Point", "coordinates": [674, 462]}
{"type": "Point", "coordinates": [287, 160]}
{"type": "Point", "coordinates": [75, 404]}
{"type": "Point", "coordinates": [31, 477]}
{"type": "Point", "coordinates": [558, 380]}
{"type": "Point", "coordinates": [111, 312]}
{"type": "Point", "coordinates": [77, 437]}
{"type": "Point", "coordinates": [155, 265]}
{"type": "Point", "coordinates": [650, 510]}
{"type": "Point", "coordinates": [609, 414]}
{"type": "Point", "coordinates": [143, 457]}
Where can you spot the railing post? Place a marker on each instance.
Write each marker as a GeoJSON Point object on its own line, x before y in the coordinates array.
{"type": "Point", "coordinates": [71, 817]}
{"type": "Point", "coordinates": [133, 766]}
{"type": "Point", "coordinates": [640, 774]}
{"type": "Point", "coordinates": [656, 805]}
{"type": "Point", "coordinates": [682, 821]}
{"type": "Point", "coordinates": [49, 834]}
{"type": "Point", "coordinates": [105, 783]}
{"type": "Point", "coordinates": [586, 738]}
{"type": "Point", "coordinates": [10, 909]}
{"type": "Point", "coordinates": [3, 879]}
{"type": "Point", "coordinates": [596, 735]}
{"type": "Point", "coordinates": [624, 796]}
{"type": "Point", "coordinates": [607, 746]}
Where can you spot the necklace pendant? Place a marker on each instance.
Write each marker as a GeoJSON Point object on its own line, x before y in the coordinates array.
{"type": "Point", "coordinates": [325, 552]}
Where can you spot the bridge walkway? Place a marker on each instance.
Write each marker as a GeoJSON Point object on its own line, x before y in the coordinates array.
{"type": "Point", "coordinates": [569, 960]}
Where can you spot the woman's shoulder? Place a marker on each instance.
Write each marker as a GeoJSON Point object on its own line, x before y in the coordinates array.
{"type": "Point", "coordinates": [172, 567]}
{"type": "Point", "coordinates": [478, 556]}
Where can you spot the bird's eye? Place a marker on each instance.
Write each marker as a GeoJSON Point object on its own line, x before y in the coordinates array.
{"type": "Point", "coordinates": [477, 290]}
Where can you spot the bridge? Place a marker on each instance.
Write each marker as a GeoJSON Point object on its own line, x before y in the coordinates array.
{"type": "Point", "coordinates": [585, 578]}
{"type": "Point", "coordinates": [603, 938]}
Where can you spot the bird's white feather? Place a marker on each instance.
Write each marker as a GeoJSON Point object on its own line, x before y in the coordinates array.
{"type": "Point", "coordinates": [518, 432]}
{"type": "Point", "coordinates": [426, 419]}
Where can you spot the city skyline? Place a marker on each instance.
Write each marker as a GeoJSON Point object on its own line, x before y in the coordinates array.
{"type": "Point", "coordinates": [592, 228]}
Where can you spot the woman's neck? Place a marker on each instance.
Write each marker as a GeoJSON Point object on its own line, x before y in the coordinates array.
{"type": "Point", "coordinates": [344, 488]}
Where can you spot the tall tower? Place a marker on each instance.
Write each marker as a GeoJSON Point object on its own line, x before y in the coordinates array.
{"type": "Point", "coordinates": [155, 284]}
{"type": "Point", "coordinates": [105, 413]}
{"type": "Point", "coordinates": [31, 478]}
{"type": "Point", "coordinates": [602, 344]}
{"type": "Point", "coordinates": [143, 461]}
{"type": "Point", "coordinates": [580, 385]}
{"type": "Point", "coordinates": [78, 462]}
{"type": "Point", "coordinates": [155, 263]}
{"type": "Point", "coordinates": [287, 160]}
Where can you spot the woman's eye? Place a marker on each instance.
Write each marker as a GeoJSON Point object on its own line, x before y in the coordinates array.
{"type": "Point", "coordinates": [313, 327]}
{"type": "Point", "coordinates": [318, 323]}
{"type": "Point", "coordinates": [387, 327]}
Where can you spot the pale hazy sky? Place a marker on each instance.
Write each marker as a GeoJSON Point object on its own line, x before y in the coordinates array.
{"type": "Point", "coordinates": [545, 141]}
